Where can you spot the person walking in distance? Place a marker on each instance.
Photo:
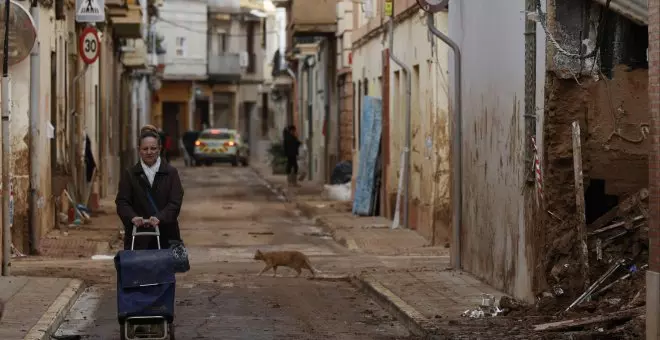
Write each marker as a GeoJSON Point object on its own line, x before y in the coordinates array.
{"type": "Point", "coordinates": [291, 146]}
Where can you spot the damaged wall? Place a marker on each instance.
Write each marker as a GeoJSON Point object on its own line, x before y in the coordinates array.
{"type": "Point", "coordinates": [608, 96]}
{"type": "Point", "coordinates": [497, 237]}
{"type": "Point", "coordinates": [429, 180]}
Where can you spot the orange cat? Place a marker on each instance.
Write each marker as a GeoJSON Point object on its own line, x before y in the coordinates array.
{"type": "Point", "coordinates": [291, 259]}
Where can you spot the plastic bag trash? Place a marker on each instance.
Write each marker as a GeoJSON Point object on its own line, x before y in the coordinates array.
{"type": "Point", "coordinates": [342, 173]}
{"type": "Point", "coordinates": [337, 192]}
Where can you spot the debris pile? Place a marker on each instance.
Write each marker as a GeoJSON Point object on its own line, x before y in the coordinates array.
{"type": "Point", "coordinates": [610, 299]}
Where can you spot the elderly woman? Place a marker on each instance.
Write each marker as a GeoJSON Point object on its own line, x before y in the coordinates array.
{"type": "Point", "coordinates": [150, 194]}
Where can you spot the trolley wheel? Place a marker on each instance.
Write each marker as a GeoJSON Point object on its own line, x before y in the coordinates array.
{"type": "Point", "coordinates": [122, 331]}
{"type": "Point", "coordinates": [170, 330]}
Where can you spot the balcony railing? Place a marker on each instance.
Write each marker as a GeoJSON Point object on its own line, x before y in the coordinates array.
{"type": "Point", "coordinates": [226, 66]}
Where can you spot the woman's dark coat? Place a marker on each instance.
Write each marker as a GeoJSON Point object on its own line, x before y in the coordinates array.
{"type": "Point", "coordinates": [132, 201]}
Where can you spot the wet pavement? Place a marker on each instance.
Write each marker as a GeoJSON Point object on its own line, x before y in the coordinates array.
{"type": "Point", "coordinates": [283, 308]}
{"type": "Point", "coordinates": [228, 214]}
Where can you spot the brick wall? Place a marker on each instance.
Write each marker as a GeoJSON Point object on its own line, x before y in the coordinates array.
{"type": "Point", "coordinates": [654, 157]}
{"type": "Point", "coordinates": [346, 119]}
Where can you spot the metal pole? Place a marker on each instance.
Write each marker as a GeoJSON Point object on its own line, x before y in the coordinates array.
{"type": "Point", "coordinates": [530, 90]}
{"type": "Point", "coordinates": [34, 135]}
{"type": "Point", "coordinates": [406, 148]}
{"type": "Point", "coordinates": [457, 153]}
{"type": "Point", "coordinates": [6, 231]}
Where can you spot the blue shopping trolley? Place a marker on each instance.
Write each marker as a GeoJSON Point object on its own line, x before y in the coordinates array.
{"type": "Point", "coordinates": [145, 290]}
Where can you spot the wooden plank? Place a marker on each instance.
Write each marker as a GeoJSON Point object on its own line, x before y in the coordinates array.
{"type": "Point", "coordinates": [565, 324]}
{"type": "Point", "coordinates": [579, 203]}
{"type": "Point", "coordinates": [622, 208]}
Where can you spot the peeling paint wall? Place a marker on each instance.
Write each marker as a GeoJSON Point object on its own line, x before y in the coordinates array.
{"type": "Point", "coordinates": [429, 204]}
{"type": "Point", "coordinates": [496, 242]}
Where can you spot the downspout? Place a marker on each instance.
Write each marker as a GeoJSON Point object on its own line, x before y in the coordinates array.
{"type": "Point", "coordinates": [294, 79]}
{"type": "Point", "coordinates": [406, 148]}
{"type": "Point", "coordinates": [34, 135]}
{"type": "Point", "coordinates": [457, 155]}
{"type": "Point", "coordinates": [310, 126]}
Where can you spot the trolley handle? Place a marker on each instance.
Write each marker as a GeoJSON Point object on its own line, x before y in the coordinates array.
{"type": "Point", "coordinates": [155, 232]}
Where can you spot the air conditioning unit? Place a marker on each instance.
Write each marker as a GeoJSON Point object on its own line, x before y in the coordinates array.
{"type": "Point", "coordinates": [243, 59]}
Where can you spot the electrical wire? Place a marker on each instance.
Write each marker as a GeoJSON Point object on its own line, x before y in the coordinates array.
{"type": "Point", "coordinates": [194, 30]}
{"type": "Point", "coordinates": [599, 37]}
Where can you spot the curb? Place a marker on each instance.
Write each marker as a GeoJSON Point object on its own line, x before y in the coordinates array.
{"type": "Point", "coordinates": [412, 319]}
{"type": "Point", "coordinates": [51, 320]}
{"type": "Point", "coordinates": [345, 241]}
{"type": "Point", "coordinates": [272, 187]}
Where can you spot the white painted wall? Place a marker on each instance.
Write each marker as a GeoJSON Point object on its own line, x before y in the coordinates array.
{"type": "Point", "coordinates": [187, 19]}
{"type": "Point", "coordinates": [491, 36]}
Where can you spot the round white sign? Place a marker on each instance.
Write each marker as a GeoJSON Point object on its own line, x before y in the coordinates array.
{"type": "Point", "coordinates": [89, 45]}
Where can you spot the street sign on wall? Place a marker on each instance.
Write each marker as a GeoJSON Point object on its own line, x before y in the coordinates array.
{"type": "Point", "coordinates": [90, 10]}
{"type": "Point", "coordinates": [89, 45]}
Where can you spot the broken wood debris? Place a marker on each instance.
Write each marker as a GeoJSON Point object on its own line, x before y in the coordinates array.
{"type": "Point", "coordinates": [587, 294]}
{"type": "Point", "coordinates": [626, 224]}
{"type": "Point", "coordinates": [627, 205]}
{"type": "Point", "coordinates": [629, 274]}
{"type": "Point", "coordinates": [579, 202]}
{"type": "Point", "coordinates": [586, 321]}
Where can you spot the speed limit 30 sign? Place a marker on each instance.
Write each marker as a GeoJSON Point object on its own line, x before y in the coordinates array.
{"type": "Point", "coordinates": [89, 45]}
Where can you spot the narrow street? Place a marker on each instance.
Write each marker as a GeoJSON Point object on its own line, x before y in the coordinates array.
{"type": "Point", "coordinates": [228, 214]}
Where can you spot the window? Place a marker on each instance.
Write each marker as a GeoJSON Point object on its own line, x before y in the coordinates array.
{"type": "Point", "coordinates": [222, 43]}
{"type": "Point", "coordinates": [180, 46]}
{"type": "Point", "coordinates": [216, 135]}
{"type": "Point", "coordinates": [251, 68]}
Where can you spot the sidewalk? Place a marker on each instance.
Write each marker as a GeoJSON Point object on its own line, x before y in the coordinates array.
{"type": "Point", "coordinates": [417, 285]}
{"type": "Point", "coordinates": [35, 306]}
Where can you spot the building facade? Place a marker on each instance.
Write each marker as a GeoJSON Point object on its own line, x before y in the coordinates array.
{"type": "Point", "coordinates": [77, 108]}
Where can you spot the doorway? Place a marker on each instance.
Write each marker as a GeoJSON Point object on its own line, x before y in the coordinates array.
{"type": "Point", "coordinates": [171, 125]}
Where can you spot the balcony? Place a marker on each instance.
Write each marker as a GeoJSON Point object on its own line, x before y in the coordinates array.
{"type": "Point", "coordinates": [313, 17]}
{"type": "Point", "coordinates": [225, 67]}
{"type": "Point", "coordinates": [126, 19]}
{"type": "Point", "coordinates": [135, 55]}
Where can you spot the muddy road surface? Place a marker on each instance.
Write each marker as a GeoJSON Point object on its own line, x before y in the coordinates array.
{"type": "Point", "coordinates": [228, 214]}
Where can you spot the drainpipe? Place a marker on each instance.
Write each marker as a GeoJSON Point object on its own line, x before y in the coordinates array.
{"type": "Point", "coordinates": [34, 135]}
{"type": "Point", "coordinates": [406, 148]}
{"type": "Point", "coordinates": [457, 147]}
{"type": "Point", "coordinates": [294, 79]}
{"type": "Point", "coordinates": [310, 106]}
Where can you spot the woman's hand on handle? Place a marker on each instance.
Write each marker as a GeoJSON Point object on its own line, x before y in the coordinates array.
{"type": "Point", "coordinates": [153, 221]}
{"type": "Point", "coordinates": [137, 221]}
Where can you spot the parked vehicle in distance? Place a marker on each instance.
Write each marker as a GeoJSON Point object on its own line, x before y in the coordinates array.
{"type": "Point", "coordinates": [221, 146]}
